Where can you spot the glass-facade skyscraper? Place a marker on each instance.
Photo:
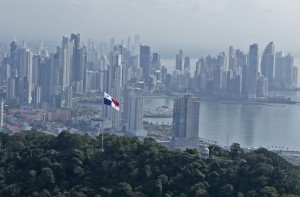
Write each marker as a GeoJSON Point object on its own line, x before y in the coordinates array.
{"type": "Point", "coordinates": [186, 113]}
{"type": "Point", "coordinates": [252, 71]}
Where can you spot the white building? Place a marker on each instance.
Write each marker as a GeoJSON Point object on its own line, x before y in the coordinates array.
{"type": "Point", "coordinates": [113, 86]}
{"type": "Point", "coordinates": [26, 75]}
{"type": "Point", "coordinates": [66, 54]}
{"type": "Point", "coordinates": [133, 110]}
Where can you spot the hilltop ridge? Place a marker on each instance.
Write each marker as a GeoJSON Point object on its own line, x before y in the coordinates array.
{"type": "Point", "coordinates": [35, 164]}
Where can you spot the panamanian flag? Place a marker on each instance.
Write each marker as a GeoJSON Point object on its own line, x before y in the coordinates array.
{"type": "Point", "coordinates": [108, 100]}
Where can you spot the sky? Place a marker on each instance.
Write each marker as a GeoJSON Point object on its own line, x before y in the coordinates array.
{"type": "Point", "coordinates": [199, 27]}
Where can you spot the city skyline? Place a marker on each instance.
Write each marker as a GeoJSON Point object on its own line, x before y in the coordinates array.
{"type": "Point", "coordinates": [166, 56]}
{"type": "Point", "coordinates": [135, 54]}
{"type": "Point", "coordinates": [38, 79]}
{"type": "Point", "coordinates": [198, 27]}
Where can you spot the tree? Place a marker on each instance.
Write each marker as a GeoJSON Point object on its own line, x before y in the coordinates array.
{"type": "Point", "coordinates": [122, 189]}
{"type": "Point", "coordinates": [45, 193]}
{"type": "Point", "coordinates": [236, 151]}
{"type": "Point", "coordinates": [227, 190]}
{"type": "Point", "coordinates": [268, 192]}
{"type": "Point", "coordinates": [36, 164]}
{"type": "Point", "coordinates": [47, 177]}
{"type": "Point", "coordinates": [158, 188]}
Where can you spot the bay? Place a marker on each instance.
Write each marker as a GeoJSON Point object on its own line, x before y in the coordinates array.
{"type": "Point", "coordinates": [251, 125]}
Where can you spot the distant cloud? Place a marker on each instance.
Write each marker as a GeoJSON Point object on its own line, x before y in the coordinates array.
{"type": "Point", "coordinates": [165, 24]}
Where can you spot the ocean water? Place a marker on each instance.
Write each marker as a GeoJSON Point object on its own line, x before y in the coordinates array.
{"type": "Point", "coordinates": [251, 125]}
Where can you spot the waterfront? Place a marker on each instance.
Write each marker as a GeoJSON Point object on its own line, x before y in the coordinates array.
{"type": "Point", "coordinates": [169, 63]}
{"type": "Point", "coordinates": [251, 125]}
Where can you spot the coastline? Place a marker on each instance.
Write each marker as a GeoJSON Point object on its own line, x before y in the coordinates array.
{"type": "Point", "coordinates": [232, 98]}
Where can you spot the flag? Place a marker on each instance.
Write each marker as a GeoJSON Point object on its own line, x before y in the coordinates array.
{"type": "Point", "coordinates": [108, 100]}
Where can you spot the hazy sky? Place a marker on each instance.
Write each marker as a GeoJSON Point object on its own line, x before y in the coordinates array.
{"type": "Point", "coordinates": [197, 26]}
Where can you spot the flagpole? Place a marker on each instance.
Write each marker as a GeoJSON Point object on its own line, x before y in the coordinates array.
{"type": "Point", "coordinates": [107, 100]}
{"type": "Point", "coordinates": [102, 130]}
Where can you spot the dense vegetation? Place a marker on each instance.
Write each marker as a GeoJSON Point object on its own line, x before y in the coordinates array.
{"type": "Point", "coordinates": [36, 164]}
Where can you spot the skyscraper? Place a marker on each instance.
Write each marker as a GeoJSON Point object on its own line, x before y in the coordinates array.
{"type": "Point", "coordinates": [285, 71]}
{"type": "Point", "coordinates": [268, 61]}
{"type": "Point", "coordinates": [186, 113]}
{"type": "Point", "coordinates": [69, 97]}
{"type": "Point", "coordinates": [218, 79]}
{"type": "Point", "coordinates": [288, 71]}
{"type": "Point", "coordinates": [262, 86]}
{"type": "Point", "coordinates": [145, 60]}
{"type": "Point", "coordinates": [134, 113]}
{"type": "Point", "coordinates": [36, 97]}
{"type": "Point", "coordinates": [179, 60]}
{"type": "Point", "coordinates": [128, 43]}
{"type": "Point", "coordinates": [66, 54]}
{"type": "Point", "coordinates": [1, 112]}
{"type": "Point", "coordinates": [137, 44]}
{"type": "Point", "coordinates": [222, 61]}
{"type": "Point", "coordinates": [253, 70]}
{"type": "Point", "coordinates": [241, 61]}
{"type": "Point", "coordinates": [76, 59]}
{"type": "Point", "coordinates": [200, 74]}
{"type": "Point", "coordinates": [113, 86]}
{"type": "Point", "coordinates": [187, 63]}
{"type": "Point", "coordinates": [136, 49]}
{"type": "Point", "coordinates": [26, 75]}
{"type": "Point", "coordinates": [83, 69]}
{"type": "Point", "coordinates": [36, 61]}
{"type": "Point", "coordinates": [13, 58]}
{"type": "Point", "coordinates": [279, 69]}
{"type": "Point", "coordinates": [54, 75]}
{"type": "Point", "coordinates": [232, 61]}
{"type": "Point", "coordinates": [156, 61]}
{"type": "Point", "coordinates": [45, 75]}
{"type": "Point", "coordinates": [112, 44]}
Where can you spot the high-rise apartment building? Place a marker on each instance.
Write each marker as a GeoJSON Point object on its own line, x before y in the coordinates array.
{"type": "Point", "coordinates": [45, 79]}
{"type": "Point", "coordinates": [36, 61]}
{"type": "Point", "coordinates": [156, 61]}
{"type": "Point", "coordinates": [179, 60]}
{"type": "Point", "coordinates": [252, 70]}
{"type": "Point", "coordinates": [145, 60]}
{"type": "Point", "coordinates": [66, 57]}
{"type": "Point", "coordinates": [241, 61]}
{"type": "Point", "coordinates": [112, 44]}
{"type": "Point", "coordinates": [54, 75]}
{"type": "Point", "coordinates": [262, 87]}
{"type": "Point", "coordinates": [187, 63]}
{"type": "Point", "coordinates": [268, 61]}
{"type": "Point", "coordinates": [222, 61]}
{"type": "Point", "coordinates": [186, 113]}
{"type": "Point", "coordinates": [69, 97]}
{"type": "Point", "coordinates": [137, 44]}
{"type": "Point", "coordinates": [164, 72]}
{"type": "Point", "coordinates": [113, 86]}
{"type": "Point", "coordinates": [288, 71]}
{"type": "Point", "coordinates": [36, 97]}
{"type": "Point", "coordinates": [26, 75]}
{"type": "Point", "coordinates": [1, 113]}
{"type": "Point", "coordinates": [133, 110]}
{"type": "Point", "coordinates": [76, 65]}
{"type": "Point", "coordinates": [218, 79]}
{"type": "Point", "coordinates": [232, 60]}
{"type": "Point", "coordinates": [285, 71]}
